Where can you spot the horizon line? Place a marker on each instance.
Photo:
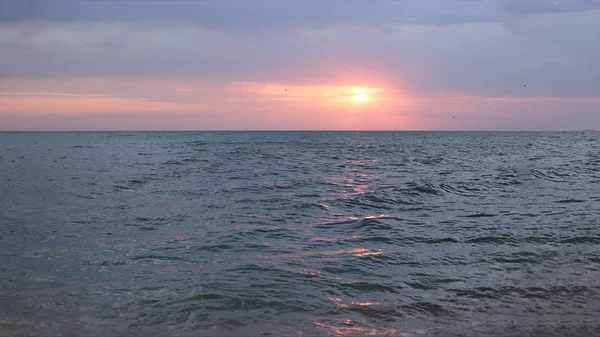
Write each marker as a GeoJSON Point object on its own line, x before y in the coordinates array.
{"type": "Point", "coordinates": [302, 130]}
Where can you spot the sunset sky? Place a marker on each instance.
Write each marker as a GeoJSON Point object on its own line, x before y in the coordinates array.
{"type": "Point", "coordinates": [300, 65]}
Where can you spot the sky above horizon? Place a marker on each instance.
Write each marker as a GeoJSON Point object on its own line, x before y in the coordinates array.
{"type": "Point", "coordinates": [300, 65]}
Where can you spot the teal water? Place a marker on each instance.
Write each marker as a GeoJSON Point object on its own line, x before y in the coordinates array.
{"type": "Point", "coordinates": [300, 233]}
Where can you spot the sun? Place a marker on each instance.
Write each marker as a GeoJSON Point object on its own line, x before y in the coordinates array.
{"type": "Point", "coordinates": [358, 98]}
{"type": "Point", "coordinates": [359, 95]}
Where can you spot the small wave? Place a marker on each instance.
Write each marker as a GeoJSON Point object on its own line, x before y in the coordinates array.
{"type": "Point", "coordinates": [172, 162]}
{"type": "Point", "coordinates": [441, 240]}
{"type": "Point", "coordinates": [214, 248]}
{"type": "Point", "coordinates": [373, 224]}
{"type": "Point", "coordinates": [492, 239]}
{"type": "Point", "coordinates": [376, 239]}
{"type": "Point", "coordinates": [311, 204]}
{"type": "Point", "coordinates": [568, 201]}
{"type": "Point", "coordinates": [552, 175]}
{"type": "Point", "coordinates": [196, 143]}
{"type": "Point", "coordinates": [427, 308]}
{"type": "Point", "coordinates": [420, 286]}
{"type": "Point", "coordinates": [463, 189]}
{"type": "Point", "coordinates": [368, 287]}
{"type": "Point", "coordinates": [160, 258]}
{"type": "Point", "coordinates": [150, 222]}
{"type": "Point", "coordinates": [144, 219]}
{"type": "Point", "coordinates": [427, 188]}
{"type": "Point", "coordinates": [583, 239]}
{"type": "Point", "coordinates": [105, 263]}
{"type": "Point", "coordinates": [538, 239]}
{"type": "Point", "coordinates": [550, 292]}
{"type": "Point", "coordinates": [148, 228]}
{"type": "Point", "coordinates": [519, 258]}
{"type": "Point", "coordinates": [480, 215]}
{"type": "Point", "coordinates": [380, 200]}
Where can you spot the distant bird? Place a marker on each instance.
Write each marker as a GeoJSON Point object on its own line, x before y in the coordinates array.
{"type": "Point", "coordinates": [285, 89]}
{"type": "Point", "coordinates": [524, 86]}
{"type": "Point", "coordinates": [453, 116]}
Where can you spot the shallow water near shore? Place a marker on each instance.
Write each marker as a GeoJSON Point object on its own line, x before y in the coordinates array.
{"type": "Point", "coordinates": [300, 233]}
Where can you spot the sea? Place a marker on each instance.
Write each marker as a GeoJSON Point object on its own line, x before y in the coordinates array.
{"type": "Point", "coordinates": [300, 234]}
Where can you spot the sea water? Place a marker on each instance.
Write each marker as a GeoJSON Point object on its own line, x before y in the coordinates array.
{"type": "Point", "coordinates": [300, 233]}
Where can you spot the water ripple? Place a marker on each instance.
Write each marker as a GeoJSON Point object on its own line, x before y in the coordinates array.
{"type": "Point", "coordinates": [300, 233]}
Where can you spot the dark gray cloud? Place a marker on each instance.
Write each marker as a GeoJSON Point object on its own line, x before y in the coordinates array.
{"type": "Point", "coordinates": [530, 7]}
{"type": "Point", "coordinates": [244, 15]}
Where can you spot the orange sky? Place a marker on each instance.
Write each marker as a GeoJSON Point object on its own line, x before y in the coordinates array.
{"type": "Point", "coordinates": [100, 103]}
{"type": "Point", "coordinates": [296, 65]}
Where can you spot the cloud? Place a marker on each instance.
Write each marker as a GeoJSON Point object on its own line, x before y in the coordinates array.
{"type": "Point", "coordinates": [531, 7]}
{"type": "Point", "coordinates": [142, 52]}
{"type": "Point", "coordinates": [245, 15]}
{"type": "Point", "coordinates": [555, 54]}
{"type": "Point", "coordinates": [272, 15]}
{"type": "Point", "coordinates": [60, 95]}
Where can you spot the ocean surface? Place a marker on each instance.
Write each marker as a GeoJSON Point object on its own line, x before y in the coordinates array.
{"type": "Point", "coordinates": [300, 234]}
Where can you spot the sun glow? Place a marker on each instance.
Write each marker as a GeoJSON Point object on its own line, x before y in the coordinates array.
{"type": "Point", "coordinates": [359, 95]}
{"type": "Point", "coordinates": [358, 98]}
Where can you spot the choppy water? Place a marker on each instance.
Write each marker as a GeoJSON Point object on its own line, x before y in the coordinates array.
{"type": "Point", "coordinates": [300, 234]}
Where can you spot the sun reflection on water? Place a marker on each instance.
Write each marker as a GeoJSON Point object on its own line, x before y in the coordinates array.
{"type": "Point", "coordinates": [364, 304]}
{"type": "Point", "coordinates": [350, 328]}
{"type": "Point", "coordinates": [338, 301]}
{"type": "Point", "coordinates": [365, 252]}
{"type": "Point", "coordinates": [359, 252]}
